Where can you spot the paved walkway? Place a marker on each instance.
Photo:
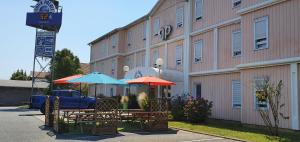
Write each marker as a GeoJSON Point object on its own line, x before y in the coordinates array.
{"type": "Point", "coordinates": [21, 125]}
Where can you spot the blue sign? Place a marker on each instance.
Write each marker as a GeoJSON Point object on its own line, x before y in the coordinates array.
{"type": "Point", "coordinates": [45, 16]}
{"type": "Point", "coordinates": [45, 21]}
{"type": "Point", "coordinates": [45, 44]}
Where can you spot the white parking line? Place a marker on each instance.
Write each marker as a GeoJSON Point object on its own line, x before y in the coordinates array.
{"type": "Point", "coordinates": [211, 139]}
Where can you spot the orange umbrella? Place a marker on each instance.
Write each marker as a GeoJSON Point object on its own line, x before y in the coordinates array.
{"type": "Point", "coordinates": [64, 80]}
{"type": "Point", "coordinates": [152, 81]}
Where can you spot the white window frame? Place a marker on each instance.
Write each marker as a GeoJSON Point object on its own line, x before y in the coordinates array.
{"type": "Point", "coordinates": [234, 1]}
{"type": "Point", "coordinates": [156, 26]}
{"type": "Point", "coordinates": [178, 60]}
{"type": "Point", "coordinates": [129, 37]}
{"type": "Point", "coordinates": [266, 18]}
{"type": "Point", "coordinates": [113, 41]}
{"type": "Point", "coordinates": [232, 94]}
{"type": "Point", "coordinates": [179, 17]}
{"type": "Point", "coordinates": [198, 17]}
{"type": "Point", "coordinates": [113, 66]}
{"type": "Point", "coordinates": [155, 56]}
{"type": "Point", "coordinates": [201, 49]}
{"type": "Point", "coordinates": [144, 31]}
{"type": "Point", "coordinates": [256, 103]}
{"type": "Point", "coordinates": [111, 91]}
{"type": "Point", "coordinates": [232, 43]}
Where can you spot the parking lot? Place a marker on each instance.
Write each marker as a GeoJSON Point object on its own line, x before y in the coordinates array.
{"type": "Point", "coordinates": [24, 125]}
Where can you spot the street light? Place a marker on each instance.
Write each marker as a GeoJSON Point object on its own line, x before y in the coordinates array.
{"type": "Point", "coordinates": [158, 64]}
{"type": "Point", "coordinates": [125, 69]}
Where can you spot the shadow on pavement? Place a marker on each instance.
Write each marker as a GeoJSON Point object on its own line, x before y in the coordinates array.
{"type": "Point", "coordinates": [30, 114]}
{"type": "Point", "coordinates": [82, 137]}
{"type": "Point", "coordinates": [85, 137]}
{"type": "Point", "coordinates": [15, 110]}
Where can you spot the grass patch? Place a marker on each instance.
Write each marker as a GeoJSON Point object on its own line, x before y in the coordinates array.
{"type": "Point", "coordinates": [24, 107]}
{"type": "Point", "coordinates": [237, 130]}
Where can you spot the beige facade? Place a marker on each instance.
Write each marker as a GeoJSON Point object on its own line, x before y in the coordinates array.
{"type": "Point", "coordinates": [216, 49]}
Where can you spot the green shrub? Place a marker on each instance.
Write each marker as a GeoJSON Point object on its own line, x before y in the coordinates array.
{"type": "Point", "coordinates": [132, 102]}
{"type": "Point", "coordinates": [177, 109]}
{"type": "Point", "coordinates": [124, 101]}
{"type": "Point", "coordinates": [197, 110]}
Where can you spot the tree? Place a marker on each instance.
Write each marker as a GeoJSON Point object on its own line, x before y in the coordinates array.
{"type": "Point", "coordinates": [20, 75]}
{"type": "Point", "coordinates": [267, 92]}
{"type": "Point", "coordinates": [65, 64]}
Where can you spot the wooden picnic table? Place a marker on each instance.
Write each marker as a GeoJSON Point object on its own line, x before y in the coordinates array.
{"type": "Point", "coordinates": [75, 114]}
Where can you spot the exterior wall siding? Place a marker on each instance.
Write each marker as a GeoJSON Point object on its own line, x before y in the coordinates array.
{"type": "Point", "coordinates": [167, 9]}
{"type": "Point", "coordinates": [225, 56]}
{"type": "Point", "coordinates": [171, 56]}
{"type": "Point", "coordinates": [283, 40]}
{"type": "Point", "coordinates": [249, 113]}
{"type": "Point", "coordinates": [137, 41]}
{"type": "Point", "coordinates": [217, 88]}
{"type": "Point", "coordinates": [214, 11]}
{"type": "Point", "coordinates": [299, 91]}
{"type": "Point", "coordinates": [247, 3]}
{"type": "Point", "coordinates": [284, 33]}
{"type": "Point", "coordinates": [207, 53]}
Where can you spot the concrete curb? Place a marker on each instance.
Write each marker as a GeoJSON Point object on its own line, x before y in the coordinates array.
{"type": "Point", "coordinates": [214, 135]}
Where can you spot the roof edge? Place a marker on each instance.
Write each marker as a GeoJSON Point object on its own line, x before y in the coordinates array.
{"type": "Point", "coordinates": [145, 17]}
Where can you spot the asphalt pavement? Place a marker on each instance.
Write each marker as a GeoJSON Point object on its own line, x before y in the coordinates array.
{"type": "Point", "coordinates": [23, 125]}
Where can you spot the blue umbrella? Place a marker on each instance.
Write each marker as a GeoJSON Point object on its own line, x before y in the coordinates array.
{"type": "Point", "coordinates": [124, 81]}
{"type": "Point", "coordinates": [97, 78]}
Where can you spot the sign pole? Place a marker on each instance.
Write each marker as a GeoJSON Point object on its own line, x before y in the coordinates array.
{"type": "Point", "coordinates": [53, 62]}
{"type": "Point", "coordinates": [33, 70]}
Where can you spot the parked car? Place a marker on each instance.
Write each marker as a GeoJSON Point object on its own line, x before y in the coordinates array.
{"type": "Point", "coordinates": [69, 99]}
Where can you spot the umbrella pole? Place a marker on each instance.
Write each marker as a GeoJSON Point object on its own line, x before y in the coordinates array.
{"type": "Point", "coordinates": [79, 96]}
{"type": "Point", "coordinates": [149, 90]}
{"type": "Point", "coordinates": [95, 90]}
{"type": "Point", "coordinates": [128, 90]}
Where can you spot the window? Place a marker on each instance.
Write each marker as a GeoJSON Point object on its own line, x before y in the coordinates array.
{"type": "Point", "coordinates": [101, 67]}
{"type": "Point", "coordinates": [129, 37]}
{"type": "Point", "coordinates": [179, 55]}
{"type": "Point", "coordinates": [111, 92]}
{"type": "Point", "coordinates": [103, 50]}
{"type": "Point", "coordinates": [198, 9]}
{"type": "Point", "coordinates": [144, 31]}
{"type": "Point", "coordinates": [143, 59]}
{"type": "Point", "coordinates": [236, 43]}
{"type": "Point", "coordinates": [155, 56]}
{"type": "Point", "coordinates": [258, 84]}
{"type": "Point", "coordinates": [113, 66]}
{"type": "Point", "coordinates": [261, 33]}
{"type": "Point", "coordinates": [179, 17]}
{"type": "Point", "coordinates": [236, 3]}
{"type": "Point", "coordinates": [197, 90]}
{"type": "Point", "coordinates": [236, 93]}
{"type": "Point", "coordinates": [198, 45]}
{"type": "Point", "coordinates": [156, 26]}
{"type": "Point", "coordinates": [113, 41]}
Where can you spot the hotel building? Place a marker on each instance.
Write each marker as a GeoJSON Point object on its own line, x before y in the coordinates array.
{"type": "Point", "coordinates": [215, 49]}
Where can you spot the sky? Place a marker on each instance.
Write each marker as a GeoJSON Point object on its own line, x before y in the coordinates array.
{"type": "Point", "coordinates": [83, 21]}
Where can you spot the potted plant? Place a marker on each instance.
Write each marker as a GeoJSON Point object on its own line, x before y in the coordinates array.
{"type": "Point", "coordinates": [124, 101]}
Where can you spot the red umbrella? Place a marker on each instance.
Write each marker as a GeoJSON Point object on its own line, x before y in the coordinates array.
{"type": "Point", "coordinates": [152, 81]}
{"type": "Point", "coordinates": [64, 80]}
